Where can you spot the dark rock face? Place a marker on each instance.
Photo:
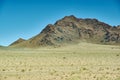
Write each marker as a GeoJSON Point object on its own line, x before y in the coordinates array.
{"type": "Point", "coordinates": [112, 37]}
{"type": "Point", "coordinates": [71, 29]}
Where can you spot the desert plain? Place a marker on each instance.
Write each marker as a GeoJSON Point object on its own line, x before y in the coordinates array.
{"type": "Point", "coordinates": [83, 61]}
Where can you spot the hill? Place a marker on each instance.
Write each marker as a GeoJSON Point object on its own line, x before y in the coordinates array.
{"type": "Point", "coordinates": [17, 41]}
{"type": "Point", "coordinates": [70, 30]}
{"type": "Point", "coordinates": [1, 46]}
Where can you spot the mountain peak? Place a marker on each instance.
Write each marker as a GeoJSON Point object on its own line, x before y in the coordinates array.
{"type": "Point", "coordinates": [70, 17]}
{"type": "Point", "coordinates": [66, 19]}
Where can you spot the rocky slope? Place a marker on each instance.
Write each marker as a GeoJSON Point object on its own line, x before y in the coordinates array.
{"type": "Point", "coordinates": [70, 30]}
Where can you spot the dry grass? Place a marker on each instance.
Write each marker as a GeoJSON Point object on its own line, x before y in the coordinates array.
{"type": "Point", "coordinates": [84, 61]}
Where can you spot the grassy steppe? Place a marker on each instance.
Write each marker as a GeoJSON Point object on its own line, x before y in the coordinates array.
{"type": "Point", "coordinates": [84, 61]}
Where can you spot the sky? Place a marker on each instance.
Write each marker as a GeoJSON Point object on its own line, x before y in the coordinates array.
{"type": "Point", "coordinates": [26, 18]}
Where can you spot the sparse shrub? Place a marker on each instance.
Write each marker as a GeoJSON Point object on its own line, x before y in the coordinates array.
{"type": "Point", "coordinates": [74, 52]}
{"type": "Point", "coordinates": [72, 73]}
{"type": "Point", "coordinates": [57, 74]}
{"type": "Point", "coordinates": [62, 77]}
{"type": "Point", "coordinates": [101, 69]}
{"type": "Point", "coordinates": [118, 68]}
{"type": "Point", "coordinates": [3, 69]}
{"type": "Point", "coordinates": [29, 69]}
{"type": "Point", "coordinates": [94, 76]}
{"type": "Point", "coordinates": [107, 72]}
{"type": "Point", "coordinates": [19, 77]}
{"type": "Point", "coordinates": [64, 57]}
{"type": "Point", "coordinates": [53, 72]}
{"type": "Point", "coordinates": [117, 55]}
{"type": "Point", "coordinates": [84, 68]}
{"type": "Point", "coordinates": [71, 64]}
{"type": "Point", "coordinates": [66, 75]}
{"type": "Point", "coordinates": [41, 68]}
{"type": "Point", "coordinates": [107, 68]}
{"type": "Point", "coordinates": [5, 77]}
{"type": "Point", "coordinates": [22, 70]}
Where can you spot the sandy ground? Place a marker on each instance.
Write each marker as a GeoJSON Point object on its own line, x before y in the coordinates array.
{"type": "Point", "coordinates": [84, 61]}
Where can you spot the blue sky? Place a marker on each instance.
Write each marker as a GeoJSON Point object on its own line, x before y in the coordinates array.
{"type": "Point", "coordinates": [26, 18]}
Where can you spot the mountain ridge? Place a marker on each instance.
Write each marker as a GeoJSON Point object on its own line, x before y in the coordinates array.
{"type": "Point", "coordinates": [70, 30]}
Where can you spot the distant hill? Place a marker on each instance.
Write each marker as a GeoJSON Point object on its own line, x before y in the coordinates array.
{"type": "Point", "coordinates": [70, 30]}
{"type": "Point", "coordinates": [18, 41]}
{"type": "Point", "coordinates": [0, 46]}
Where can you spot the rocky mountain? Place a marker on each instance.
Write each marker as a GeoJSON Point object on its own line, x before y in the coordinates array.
{"type": "Point", "coordinates": [70, 30]}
